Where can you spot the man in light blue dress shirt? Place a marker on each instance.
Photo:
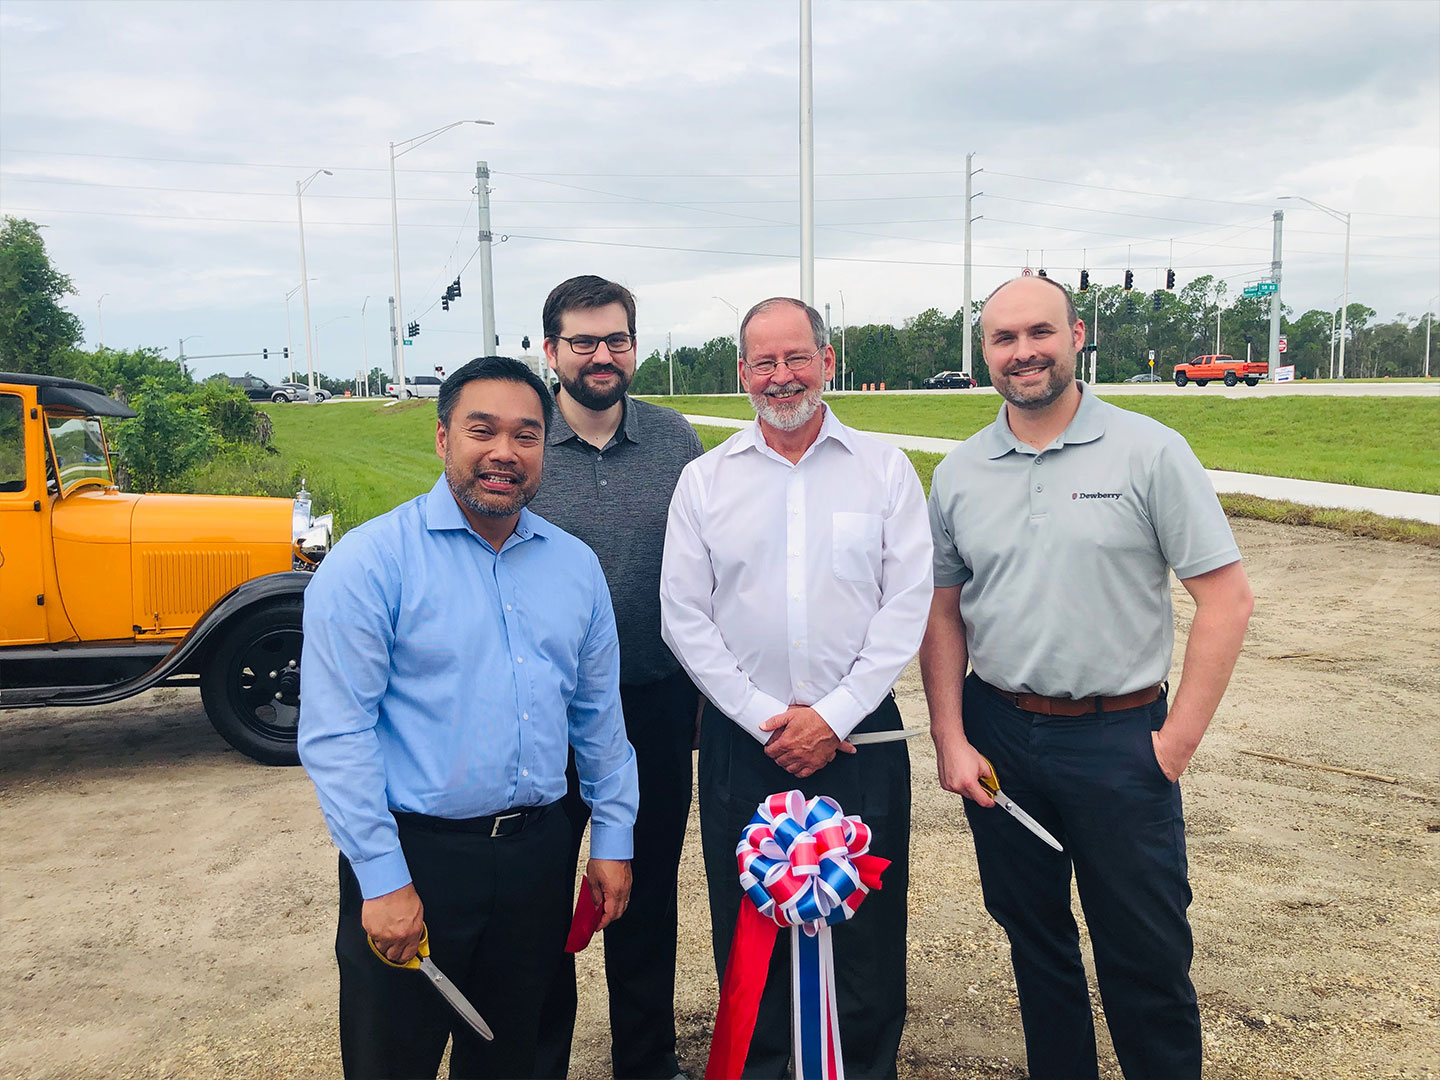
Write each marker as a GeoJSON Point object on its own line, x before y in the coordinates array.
{"type": "Point", "coordinates": [454, 648]}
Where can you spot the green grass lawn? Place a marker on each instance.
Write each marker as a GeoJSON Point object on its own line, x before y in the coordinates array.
{"type": "Point", "coordinates": [1371, 442]}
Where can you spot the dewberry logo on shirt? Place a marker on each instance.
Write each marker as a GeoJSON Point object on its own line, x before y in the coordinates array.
{"type": "Point", "coordinates": [1095, 495]}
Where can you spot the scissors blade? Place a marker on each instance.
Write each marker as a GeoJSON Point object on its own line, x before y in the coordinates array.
{"type": "Point", "coordinates": [1026, 820]}
{"type": "Point", "coordinates": [884, 736]}
{"type": "Point", "coordinates": [456, 999]}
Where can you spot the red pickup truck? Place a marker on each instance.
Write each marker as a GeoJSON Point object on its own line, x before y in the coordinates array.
{"type": "Point", "coordinates": [1204, 368]}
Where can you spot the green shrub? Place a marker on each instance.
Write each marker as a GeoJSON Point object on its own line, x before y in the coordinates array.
{"type": "Point", "coordinates": [169, 434]}
{"type": "Point", "coordinates": [249, 470]}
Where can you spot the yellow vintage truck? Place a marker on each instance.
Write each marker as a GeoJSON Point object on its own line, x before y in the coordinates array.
{"type": "Point", "coordinates": [104, 593]}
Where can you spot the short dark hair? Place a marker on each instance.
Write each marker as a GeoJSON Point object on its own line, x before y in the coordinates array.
{"type": "Point", "coordinates": [500, 368]}
{"type": "Point", "coordinates": [1070, 313]}
{"type": "Point", "coordinates": [817, 323]}
{"type": "Point", "coordinates": [584, 292]}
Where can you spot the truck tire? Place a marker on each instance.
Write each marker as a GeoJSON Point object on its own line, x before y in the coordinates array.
{"type": "Point", "coordinates": [1201, 382]}
{"type": "Point", "coordinates": [250, 682]}
{"type": "Point", "coordinates": [1251, 380]}
{"type": "Point", "coordinates": [1181, 378]}
{"type": "Point", "coordinates": [1231, 378]}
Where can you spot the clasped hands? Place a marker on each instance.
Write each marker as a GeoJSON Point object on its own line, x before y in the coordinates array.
{"type": "Point", "coordinates": [801, 742]}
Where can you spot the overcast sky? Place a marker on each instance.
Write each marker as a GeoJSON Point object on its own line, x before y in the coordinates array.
{"type": "Point", "coordinates": [657, 144]}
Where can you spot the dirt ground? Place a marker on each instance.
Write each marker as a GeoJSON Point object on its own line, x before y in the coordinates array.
{"type": "Point", "coordinates": [167, 906]}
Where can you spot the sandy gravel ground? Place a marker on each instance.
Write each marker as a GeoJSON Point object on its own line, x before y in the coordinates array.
{"type": "Point", "coordinates": [167, 906]}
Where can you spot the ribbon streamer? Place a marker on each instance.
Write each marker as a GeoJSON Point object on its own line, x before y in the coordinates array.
{"type": "Point", "coordinates": [807, 866]}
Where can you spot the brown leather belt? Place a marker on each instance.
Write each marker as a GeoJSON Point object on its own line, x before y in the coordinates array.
{"type": "Point", "coordinates": [1060, 706]}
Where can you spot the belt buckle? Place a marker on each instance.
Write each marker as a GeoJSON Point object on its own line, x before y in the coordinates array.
{"type": "Point", "coordinates": [495, 829]}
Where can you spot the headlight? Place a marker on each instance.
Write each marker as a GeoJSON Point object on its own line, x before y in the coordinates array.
{"type": "Point", "coordinates": [309, 536]}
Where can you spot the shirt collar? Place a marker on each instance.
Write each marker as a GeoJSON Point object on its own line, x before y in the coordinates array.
{"type": "Point", "coordinates": [1087, 425]}
{"type": "Point", "coordinates": [560, 431]}
{"type": "Point", "coordinates": [443, 514]}
{"type": "Point", "coordinates": [751, 437]}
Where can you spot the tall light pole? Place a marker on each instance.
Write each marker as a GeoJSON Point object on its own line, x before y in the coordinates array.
{"type": "Point", "coordinates": [967, 347]}
{"type": "Point", "coordinates": [736, 310]}
{"type": "Point", "coordinates": [300, 186]}
{"type": "Point", "coordinates": [100, 316]}
{"type": "Point", "coordinates": [807, 165]}
{"type": "Point", "coordinates": [364, 348]}
{"type": "Point", "coordinates": [1345, 287]}
{"type": "Point", "coordinates": [1429, 322]}
{"type": "Point", "coordinates": [181, 358]}
{"type": "Point", "coordinates": [842, 339]}
{"type": "Point", "coordinates": [408, 145]}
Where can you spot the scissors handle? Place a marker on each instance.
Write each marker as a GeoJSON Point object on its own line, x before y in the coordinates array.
{"type": "Point", "coordinates": [423, 949]}
{"type": "Point", "coordinates": [990, 783]}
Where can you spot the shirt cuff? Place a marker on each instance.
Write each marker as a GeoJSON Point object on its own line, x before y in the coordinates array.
{"type": "Point", "coordinates": [382, 874]}
{"type": "Point", "coordinates": [611, 841]}
{"type": "Point", "coordinates": [841, 711]}
{"type": "Point", "coordinates": [760, 708]}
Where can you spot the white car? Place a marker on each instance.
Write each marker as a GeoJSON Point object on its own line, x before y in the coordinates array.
{"type": "Point", "coordinates": [302, 392]}
{"type": "Point", "coordinates": [416, 386]}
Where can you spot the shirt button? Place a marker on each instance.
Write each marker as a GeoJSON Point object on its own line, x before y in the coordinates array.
{"type": "Point", "coordinates": [524, 716]}
{"type": "Point", "coordinates": [524, 772]}
{"type": "Point", "coordinates": [519, 659]}
{"type": "Point", "coordinates": [800, 683]}
{"type": "Point", "coordinates": [1040, 459]}
{"type": "Point", "coordinates": [604, 482]}
{"type": "Point", "coordinates": [509, 608]}
{"type": "Point", "coordinates": [798, 644]}
{"type": "Point", "coordinates": [1039, 487]}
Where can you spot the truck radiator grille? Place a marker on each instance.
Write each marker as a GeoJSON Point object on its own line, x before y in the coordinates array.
{"type": "Point", "coordinates": [176, 587]}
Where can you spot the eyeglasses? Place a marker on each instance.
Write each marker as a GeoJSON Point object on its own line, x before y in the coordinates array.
{"type": "Point", "coordinates": [585, 345]}
{"type": "Point", "coordinates": [792, 364]}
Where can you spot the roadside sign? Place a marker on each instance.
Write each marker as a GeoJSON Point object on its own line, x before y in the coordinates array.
{"type": "Point", "coordinates": [1152, 357]}
{"type": "Point", "coordinates": [1027, 272]}
{"type": "Point", "coordinates": [409, 342]}
{"type": "Point", "coordinates": [1282, 343]}
{"type": "Point", "coordinates": [1268, 288]}
{"type": "Point", "coordinates": [1285, 374]}
{"type": "Point", "coordinates": [1252, 290]}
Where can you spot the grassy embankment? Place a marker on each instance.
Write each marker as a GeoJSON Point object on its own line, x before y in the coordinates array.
{"type": "Point", "coordinates": [362, 459]}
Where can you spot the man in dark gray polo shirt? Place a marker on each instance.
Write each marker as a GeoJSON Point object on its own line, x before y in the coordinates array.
{"type": "Point", "coordinates": [611, 464]}
{"type": "Point", "coordinates": [1056, 529]}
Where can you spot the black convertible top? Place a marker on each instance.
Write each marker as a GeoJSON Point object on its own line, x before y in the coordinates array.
{"type": "Point", "coordinates": [70, 394]}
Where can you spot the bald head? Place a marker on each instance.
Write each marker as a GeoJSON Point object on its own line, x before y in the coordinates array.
{"type": "Point", "coordinates": [1039, 285]}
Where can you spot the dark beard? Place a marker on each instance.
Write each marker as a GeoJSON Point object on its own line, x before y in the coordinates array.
{"type": "Point", "coordinates": [593, 399]}
{"type": "Point", "coordinates": [463, 489]}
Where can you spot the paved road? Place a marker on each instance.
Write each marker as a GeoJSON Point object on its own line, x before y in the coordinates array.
{"type": "Point", "coordinates": [1397, 504]}
{"type": "Point", "coordinates": [1313, 389]}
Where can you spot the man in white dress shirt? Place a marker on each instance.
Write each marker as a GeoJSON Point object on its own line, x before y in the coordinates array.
{"type": "Point", "coordinates": [794, 589]}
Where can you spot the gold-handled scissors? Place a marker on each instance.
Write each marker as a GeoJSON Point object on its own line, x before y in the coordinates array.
{"type": "Point", "coordinates": [449, 991]}
{"type": "Point", "coordinates": [991, 784]}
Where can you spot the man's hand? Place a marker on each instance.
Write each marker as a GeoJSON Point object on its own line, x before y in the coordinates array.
{"type": "Point", "coordinates": [609, 887]}
{"type": "Point", "coordinates": [1172, 760]}
{"type": "Point", "coordinates": [395, 922]}
{"type": "Point", "coordinates": [802, 743]}
{"type": "Point", "coordinates": [961, 767]}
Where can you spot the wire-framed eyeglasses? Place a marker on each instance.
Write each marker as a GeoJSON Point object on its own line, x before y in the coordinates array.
{"type": "Point", "coordinates": [793, 364]}
{"type": "Point", "coordinates": [585, 345]}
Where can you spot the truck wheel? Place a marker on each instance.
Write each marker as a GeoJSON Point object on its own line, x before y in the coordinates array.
{"type": "Point", "coordinates": [1252, 382]}
{"type": "Point", "coordinates": [1231, 378]}
{"type": "Point", "coordinates": [1201, 382]}
{"type": "Point", "coordinates": [250, 683]}
{"type": "Point", "coordinates": [1181, 378]}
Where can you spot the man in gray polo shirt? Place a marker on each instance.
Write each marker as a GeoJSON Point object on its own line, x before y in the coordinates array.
{"type": "Point", "coordinates": [1055, 531]}
{"type": "Point", "coordinates": [611, 464]}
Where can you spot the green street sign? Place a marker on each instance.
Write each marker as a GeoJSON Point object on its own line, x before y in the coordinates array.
{"type": "Point", "coordinates": [409, 342]}
{"type": "Point", "coordinates": [1268, 288]}
{"type": "Point", "coordinates": [1250, 290]}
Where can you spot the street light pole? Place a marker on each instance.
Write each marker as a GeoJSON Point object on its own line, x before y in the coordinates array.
{"type": "Point", "coordinates": [181, 358]}
{"type": "Point", "coordinates": [736, 310]}
{"type": "Point", "coordinates": [300, 186]}
{"type": "Point", "coordinates": [1345, 288]}
{"type": "Point", "coordinates": [364, 348]}
{"type": "Point", "coordinates": [1429, 322]}
{"type": "Point", "coordinates": [408, 144]}
{"type": "Point", "coordinates": [842, 339]}
{"type": "Point", "coordinates": [100, 315]}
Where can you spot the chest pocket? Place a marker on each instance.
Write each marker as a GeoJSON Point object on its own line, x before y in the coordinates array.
{"type": "Point", "coordinates": [856, 546]}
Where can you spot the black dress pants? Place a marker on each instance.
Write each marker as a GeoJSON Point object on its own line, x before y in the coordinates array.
{"type": "Point", "coordinates": [874, 782]}
{"type": "Point", "coordinates": [640, 947]}
{"type": "Point", "coordinates": [1093, 781]}
{"type": "Point", "coordinates": [497, 910]}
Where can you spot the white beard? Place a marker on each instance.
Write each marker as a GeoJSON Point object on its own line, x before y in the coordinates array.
{"type": "Point", "coordinates": [786, 417]}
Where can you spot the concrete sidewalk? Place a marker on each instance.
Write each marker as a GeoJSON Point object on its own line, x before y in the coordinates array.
{"type": "Point", "coordinates": [1396, 504]}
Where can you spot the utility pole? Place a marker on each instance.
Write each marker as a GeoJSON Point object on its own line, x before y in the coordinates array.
{"type": "Point", "coordinates": [364, 347]}
{"type": "Point", "coordinates": [807, 162]}
{"type": "Point", "coordinates": [487, 281]}
{"type": "Point", "coordinates": [1275, 299]}
{"type": "Point", "coordinates": [1429, 322]}
{"type": "Point", "coordinates": [1095, 352]}
{"type": "Point", "coordinates": [670, 362]}
{"type": "Point", "coordinates": [842, 340]}
{"type": "Point", "coordinates": [829, 335]}
{"type": "Point", "coordinates": [967, 347]}
{"type": "Point", "coordinates": [100, 316]}
{"type": "Point", "coordinates": [394, 347]}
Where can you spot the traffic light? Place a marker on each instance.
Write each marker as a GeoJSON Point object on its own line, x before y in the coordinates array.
{"type": "Point", "coordinates": [1043, 272]}
{"type": "Point", "coordinates": [1129, 280]}
{"type": "Point", "coordinates": [1155, 299]}
{"type": "Point", "coordinates": [264, 354]}
{"type": "Point", "coordinates": [1084, 280]}
{"type": "Point", "coordinates": [413, 330]}
{"type": "Point", "coordinates": [445, 303]}
{"type": "Point", "coordinates": [1129, 306]}
{"type": "Point", "coordinates": [287, 352]}
{"type": "Point", "coordinates": [456, 287]}
{"type": "Point", "coordinates": [525, 344]}
{"type": "Point", "coordinates": [1169, 279]}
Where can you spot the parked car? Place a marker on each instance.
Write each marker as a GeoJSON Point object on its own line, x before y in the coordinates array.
{"type": "Point", "coordinates": [1144, 376]}
{"type": "Point", "coordinates": [1204, 368]}
{"type": "Point", "coordinates": [105, 594]}
{"type": "Point", "coordinates": [302, 391]}
{"type": "Point", "coordinates": [416, 386]}
{"type": "Point", "coordinates": [948, 380]}
{"type": "Point", "coordinates": [257, 389]}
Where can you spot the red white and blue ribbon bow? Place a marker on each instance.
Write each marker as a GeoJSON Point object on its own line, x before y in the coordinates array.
{"type": "Point", "coordinates": [807, 866]}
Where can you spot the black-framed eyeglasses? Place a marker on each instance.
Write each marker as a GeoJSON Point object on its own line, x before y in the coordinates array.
{"type": "Point", "coordinates": [792, 363]}
{"type": "Point", "coordinates": [585, 345]}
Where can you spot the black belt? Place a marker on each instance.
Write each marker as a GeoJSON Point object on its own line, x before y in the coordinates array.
{"type": "Point", "coordinates": [493, 825]}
